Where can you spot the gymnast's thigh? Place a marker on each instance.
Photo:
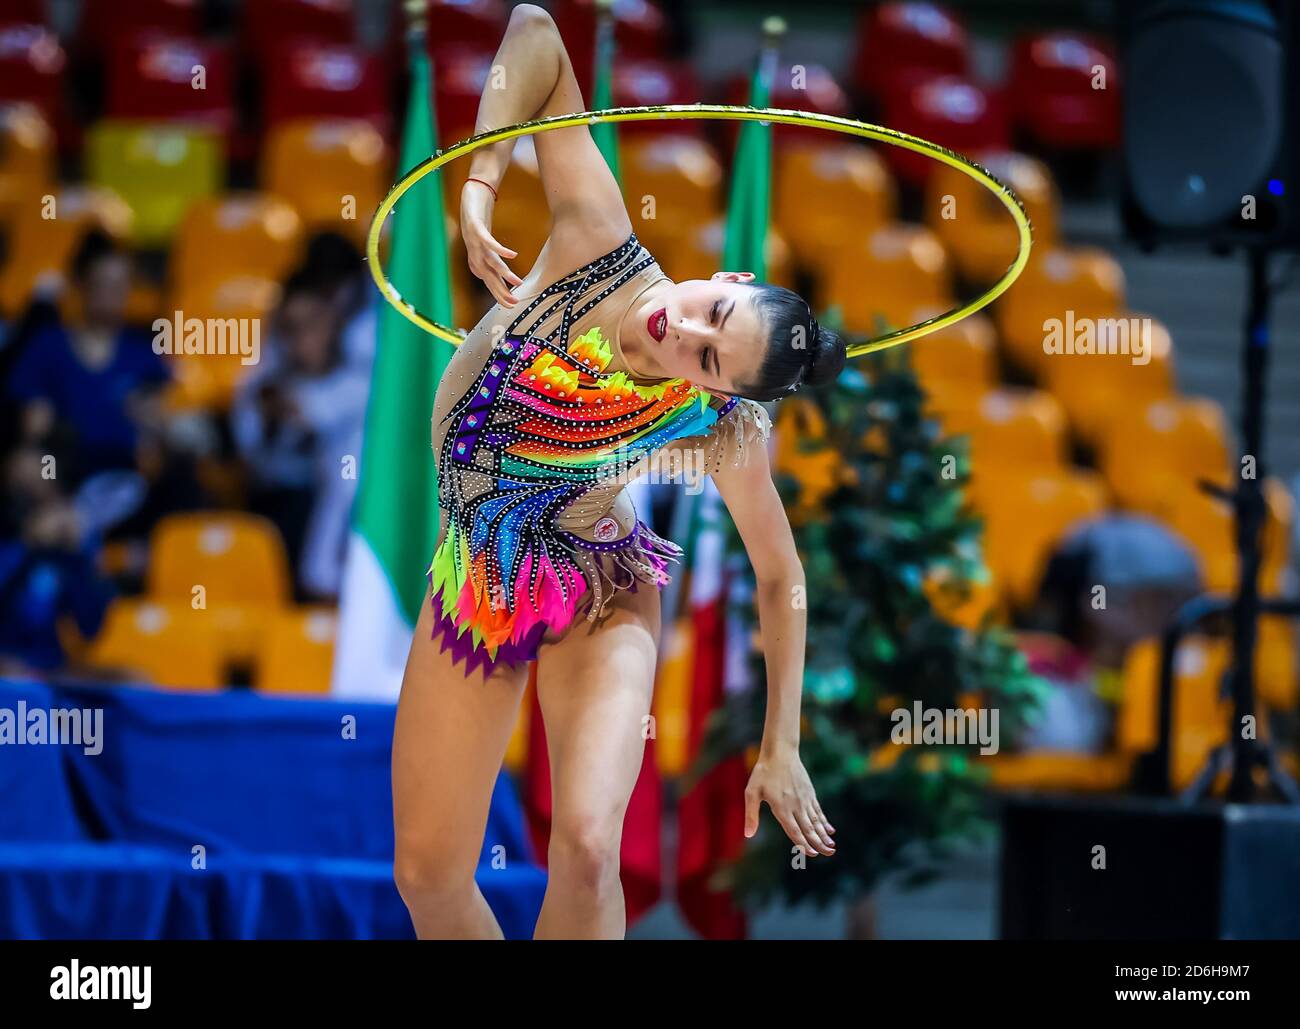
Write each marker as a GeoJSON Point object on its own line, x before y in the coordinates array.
{"type": "Point", "coordinates": [449, 741]}
{"type": "Point", "coordinates": [595, 687]}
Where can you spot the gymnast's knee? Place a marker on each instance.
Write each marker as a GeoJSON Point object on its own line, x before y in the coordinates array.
{"type": "Point", "coordinates": [424, 872]}
{"type": "Point", "coordinates": [585, 851]}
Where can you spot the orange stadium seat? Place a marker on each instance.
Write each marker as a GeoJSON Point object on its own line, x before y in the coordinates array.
{"type": "Point", "coordinates": [1097, 388]}
{"type": "Point", "coordinates": [1275, 662]}
{"type": "Point", "coordinates": [43, 239]}
{"type": "Point", "coordinates": [963, 356]}
{"type": "Point", "coordinates": [239, 562]}
{"type": "Point", "coordinates": [885, 276]}
{"type": "Point", "coordinates": [26, 159]}
{"type": "Point", "coordinates": [671, 184]}
{"type": "Point", "coordinates": [1011, 431]}
{"type": "Point", "coordinates": [829, 197]}
{"type": "Point", "coordinates": [1174, 439]}
{"type": "Point", "coordinates": [228, 260]}
{"type": "Point", "coordinates": [169, 644]}
{"type": "Point", "coordinates": [1206, 523]}
{"type": "Point", "coordinates": [699, 255]}
{"type": "Point", "coordinates": [203, 382]}
{"type": "Point", "coordinates": [232, 236]}
{"type": "Point", "coordinates": [1025, 516]}
{"type": "Point", "coordinates": [236, 557]}
{"type": "Point", "coordinates": [973, 225]}
{"type": "Point", "coordinates": [158, 168]}
{"type": "Point", "coordinates": [297, 651]}
{"type": "Point", "coordinates": [1086, 281]}
{"type": "Point", "coordinates": [334, 173]}
{"type": "Point", "coordinates": [1201, 712]}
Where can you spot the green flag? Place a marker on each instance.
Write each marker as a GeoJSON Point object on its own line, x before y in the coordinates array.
{"type": "Point", "coordinates": [395, 513]}
{"type": "Point", "coordinates": [751, 183]}
{"type": "Point", "coordinates": [605, 134]}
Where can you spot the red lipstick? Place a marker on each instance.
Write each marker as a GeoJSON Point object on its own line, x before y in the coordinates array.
{"type": "Point", "coordinates": [657, 324]}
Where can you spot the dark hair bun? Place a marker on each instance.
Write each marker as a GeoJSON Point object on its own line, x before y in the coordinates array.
{"type": "Point", "coordinates": [827, 358]}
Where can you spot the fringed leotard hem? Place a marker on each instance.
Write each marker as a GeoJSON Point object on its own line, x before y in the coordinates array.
{"type": "Point", "coordinates": [643, 556]}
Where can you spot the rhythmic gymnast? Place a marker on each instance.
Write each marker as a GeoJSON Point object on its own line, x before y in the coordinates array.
{"type": "Point", "coordinates": [566, 390]}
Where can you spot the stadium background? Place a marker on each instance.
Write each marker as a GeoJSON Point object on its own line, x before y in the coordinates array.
{"type": "Point", "coordinates": [223, 196]}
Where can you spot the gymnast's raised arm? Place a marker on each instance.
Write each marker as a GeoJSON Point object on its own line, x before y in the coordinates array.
{"type": "Point", "coordinates": [532, 78]}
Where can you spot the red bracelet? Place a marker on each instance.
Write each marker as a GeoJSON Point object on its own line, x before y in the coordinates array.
{"type": "Point", "coordinates": [471, 178]}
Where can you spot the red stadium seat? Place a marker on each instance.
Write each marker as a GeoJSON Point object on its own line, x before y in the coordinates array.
{"type": "Point", "coordinates": [649, 83]}
{"type": "Point", "coordinates": [104, 22]}
{"type": "Point", "coordinates": [816, 90]}
{"type": "Point", "coordinates": [459, 78]}
{"type": "Point", "coordinates": [1053, 96]}
{"type": "Point", "coordinates": [31, 67]}
{"type": "Point", "coordinates": [307, 79]}
{"type": "Point", "coordinates": [31, 11]}
{"type": "Point", "coordinates": [948, 110]}
{"type": "Point", "coordinates": [640, 32]}
{"type": "Point", "coordinates": [900, 44]}
{"type": "Point", "coordinates": [460, 24]}
{"type": "Point", "coordinates": [153, 77]}
{"type": "Point", "coordinates": [269, 23]}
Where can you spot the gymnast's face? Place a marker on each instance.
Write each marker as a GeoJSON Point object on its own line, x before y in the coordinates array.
{"type": "Point", "coordinates": [706, 331]}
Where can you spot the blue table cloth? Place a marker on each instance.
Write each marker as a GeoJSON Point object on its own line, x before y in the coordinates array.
{"type": "Point", "coordinates": [217, 815]}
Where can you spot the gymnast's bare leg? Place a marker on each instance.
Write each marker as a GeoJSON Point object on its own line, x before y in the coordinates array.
{"type": "Point", "coordinates": [449, 741]}
{"type": "Point", "coordinates": [595, 687]}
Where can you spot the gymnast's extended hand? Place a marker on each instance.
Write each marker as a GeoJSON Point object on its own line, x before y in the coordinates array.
{"type": "Point", "coordinates": [779, 778]}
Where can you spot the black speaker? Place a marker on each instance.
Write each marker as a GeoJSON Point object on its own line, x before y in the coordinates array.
{"type": "Point", "coordinates": [1171, 871]}
{"type": "Point", "coordinates": [1210, 114]}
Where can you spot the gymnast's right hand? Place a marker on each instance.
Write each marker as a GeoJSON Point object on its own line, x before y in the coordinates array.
{"type": "Point", "coordinates": [486, 255]}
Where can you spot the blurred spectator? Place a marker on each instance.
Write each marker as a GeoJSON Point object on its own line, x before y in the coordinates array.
{"type": "Point", "coordinates": [41, 312]}
{"type": "Point", "coordinates": [1113, 581]}
{"type": "Point", "coordinates": [47, 566]}
{"type": "Point", "coordinates": [297, 421]}
{"type": "Point", "coordinates": [334, 261]}
{"type": "Point", "coordinates": [99, 379]}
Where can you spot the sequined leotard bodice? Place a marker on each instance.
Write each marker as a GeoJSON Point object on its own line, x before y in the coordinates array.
{"type": "Point", "coordinates": [536, 436]}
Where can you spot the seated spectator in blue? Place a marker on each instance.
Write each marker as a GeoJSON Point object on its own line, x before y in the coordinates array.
{"type": "Point", "coordinates": [47, 566]}
{"type": "Point", "coordinates": [100, 377]}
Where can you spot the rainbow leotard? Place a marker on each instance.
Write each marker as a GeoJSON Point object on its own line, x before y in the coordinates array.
{"type": "Point", "coordinates": [542, 425]}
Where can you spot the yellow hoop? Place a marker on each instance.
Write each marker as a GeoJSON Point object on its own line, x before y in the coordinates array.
{"type": "Point", "coordinates": [717, 112]}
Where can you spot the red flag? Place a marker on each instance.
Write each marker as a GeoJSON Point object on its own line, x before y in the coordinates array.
{"type": "Point", "coordinates": [712, 815]}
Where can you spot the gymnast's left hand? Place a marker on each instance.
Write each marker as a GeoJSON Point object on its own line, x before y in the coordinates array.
{"type": "Point", "coordinates": [779, 778]}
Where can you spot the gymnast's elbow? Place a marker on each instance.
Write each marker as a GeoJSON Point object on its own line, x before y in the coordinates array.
{"type": "Point", "coordinates": [531, 18]}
